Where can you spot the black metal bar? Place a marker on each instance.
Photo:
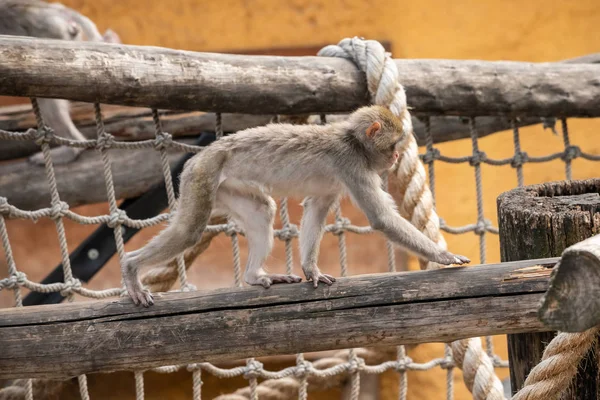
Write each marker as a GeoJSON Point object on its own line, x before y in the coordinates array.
{"type": "Point", "coordinates": [95, 251]}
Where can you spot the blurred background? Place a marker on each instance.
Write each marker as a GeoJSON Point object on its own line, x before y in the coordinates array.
{"type": "Point", "coordinates": [532, 30]}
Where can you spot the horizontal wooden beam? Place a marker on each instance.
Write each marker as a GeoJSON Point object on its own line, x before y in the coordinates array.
{"type": "Point", "coordinates": [174, 79]}
{"type": "Point", "coordinates": [134, 172]}
{"type": "Point", "coordinates": [133, 123]}
{"type": "Point", "coordinates": [59, 341]}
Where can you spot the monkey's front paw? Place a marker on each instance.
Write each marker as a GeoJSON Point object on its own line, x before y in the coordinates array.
{"type": "Point", "coordinates": [316, 276]}
{"type": "Point", "coordinates": [141, 296]}
{"type": "Point", "coordinates": [267, 280]}
{"type": "Point", "coordinates": [448, 258]}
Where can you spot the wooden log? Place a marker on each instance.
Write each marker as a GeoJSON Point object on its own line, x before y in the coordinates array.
{"type": "Point", "coordinates": [165, 78]}
{"type": "Point", "coordinates": [542, 221]}
{"type": "Point", "coordinates": [60, 341]}
{"type": "Point", "coordinates": [82, 182]}
{"type": "Point", "coordinates": [127, 123]}
{"type": "Point", "coordinates": [570, 304]}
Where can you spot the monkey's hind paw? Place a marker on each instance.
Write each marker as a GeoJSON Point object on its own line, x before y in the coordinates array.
{"type": "Point", "coordinates": [319, 277]}
{"type": "Point", "coordinates": [448, 258]}
{"type": "Point", "coordinates": [142, 296]}
{"type": "Point", "coordinates": [272, 279]}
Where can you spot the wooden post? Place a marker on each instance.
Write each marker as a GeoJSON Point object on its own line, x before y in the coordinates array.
{"type": "Point", "coordinates": [542, 221]}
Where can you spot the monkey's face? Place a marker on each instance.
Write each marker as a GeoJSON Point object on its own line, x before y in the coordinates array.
{"type": "Point", "coordinates": [387, 143]}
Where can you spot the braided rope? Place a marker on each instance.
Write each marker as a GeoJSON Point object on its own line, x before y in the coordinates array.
{"type": "Point", "coordinates": [414, 197]}
{"type": "Point", "coordinates": [549, 378]}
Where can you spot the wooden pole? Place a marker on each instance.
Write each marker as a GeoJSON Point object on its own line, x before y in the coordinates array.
{"type": "Point", "coordinates": [171, 79]}
{"type": "Point", "coordinates": [567, 305]}
{"type": "Point", "coordinates": [542, 221]}
{"type": "Point", "coordinates": [58, 341]}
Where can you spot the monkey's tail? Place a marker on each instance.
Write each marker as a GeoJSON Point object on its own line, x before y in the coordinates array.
{"type": "Point", "coordinates": [199, 184]}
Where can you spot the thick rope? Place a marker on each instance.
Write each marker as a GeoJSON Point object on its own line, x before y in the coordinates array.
{"type": "Point", "coordinates": [559, 364]}
{"type": "Point", "coordinates": [414, 197]}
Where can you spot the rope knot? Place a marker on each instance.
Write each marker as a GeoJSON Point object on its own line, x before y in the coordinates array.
{"type": "Point", "coordinates": [44, 135]}
{"type": "Point", "coordinates": [431, 155]}
{"type": "Point", "coordinates": [288, 232]}
{"type": "Point", "coordinates": [403, 364]}
{"type": "Point", "coordinates": [519, 159]}
{"type": "Point", "coordinates": [253, 369]}
{"type": "Point", "coordinates": [303, 369]}
{"type": "Point", "coordinates": [117, 218]}
{"type": "Point", "coordinates": [71, 285]}
{"type": "Point", "coordinates": [14, 281]}
{"type": "Point", "coordinates": [481, 227]}
{"type": "Point", "coordinates": [356, 365]}
{"type": "Point", "coordinates": [571, 153]}
{"type": "Point", "coordinates": [104, 141]}
{"type": "Point", "coordinates": [231, 229]}
{"type": "Point", "coordinates": [477, 158]}
{"type": "Point", "coordinates": [58, 210]}
{"type": "Point", "coordinates": [163, 140]}
{"type": "Point", "coordinates": [4, 206]}
{"type": "Point", "coordinates": [340, 225]}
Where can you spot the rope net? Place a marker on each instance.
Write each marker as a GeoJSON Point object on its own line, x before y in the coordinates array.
{"type": "Point", "coordinates": [346, 366]}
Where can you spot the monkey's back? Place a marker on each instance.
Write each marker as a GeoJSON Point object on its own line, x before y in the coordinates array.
{"type": "Point", "coordinates": [284, 159]}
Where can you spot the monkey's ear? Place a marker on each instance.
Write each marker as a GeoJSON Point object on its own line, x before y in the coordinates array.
{"type": "Point", "coordinates": [373, 129]}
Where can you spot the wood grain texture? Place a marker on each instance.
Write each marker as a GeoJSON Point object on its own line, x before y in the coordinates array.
{"type": "Point", "coordinates": [569, 304]}
{"type": "Point", "coordinates": [371, 310]}
{"type": "Point", "coordinates": [173, 79]}
{"type": "Point", "coordinates": [82, 182]}
{"type": "Point", "coordinates": [542, 221]}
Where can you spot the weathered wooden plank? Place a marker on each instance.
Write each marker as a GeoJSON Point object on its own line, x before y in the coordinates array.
{"type": "Point", "coordinates": [82, 182]}
{"type": "Point", "coordinates": [568, 304]}
{"type": "Point", "coordinates": [372, 310]}
{"type": "Point", "coordinates": [542, 221]}
{"type": "Point", "coordinates": [173, 79]}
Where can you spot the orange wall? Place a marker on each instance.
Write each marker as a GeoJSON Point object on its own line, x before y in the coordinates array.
{"type": "Point", "coordinates": [495, 29]}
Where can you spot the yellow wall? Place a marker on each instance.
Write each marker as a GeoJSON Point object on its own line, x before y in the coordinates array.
{"type": "Point", "coordinates": [533, 30]}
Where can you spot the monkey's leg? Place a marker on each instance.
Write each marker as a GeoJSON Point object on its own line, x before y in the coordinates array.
{"type": "Point", "coordinates": [56, 115]}
{"type": "Point", "coordinates": [256, 214]}
{"type": "Point", "coordinates": [195, 207]}
{"type": "Point", "coordinates": [311, 233]}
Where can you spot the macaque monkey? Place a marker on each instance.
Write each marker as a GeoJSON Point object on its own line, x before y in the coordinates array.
{"type": "Point", "coordinates": [237, 175]}
{"type": "Point", "coordinates": [53, 21]}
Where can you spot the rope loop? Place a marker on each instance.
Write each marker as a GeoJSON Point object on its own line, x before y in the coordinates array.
{"type": "Point", "coordinates": [117, 218]}
{"type": "Point", "coordinates": [481, 227]}
{"type": "Point", "coordinates": [58, 210]}
{"type": "Point", "coordinates": [163, 140]}
{"type": "Point", "coordinates": [477, 158]}
{"type": "Point", "coordinates": [104, 141]}
{"type": "Point", "coordinates": [4, 206]}
{"type": "Point", "coordinates": [44, 135]}
{"type": "Point", "coordinates": [288, 232]}
{"type": "Point", "coordinates": [431, 155]}
{"type": "Point", "coordinates": [519, 159]}
{"type": "Point", "coordinates": [571, 153]}
{"type": "Point", "coordinates": [253, 369]}
{"type": "Point", "coordinates": [71, 285]}
{"type": "Point", "coordinates": [14, 281]}
{"type": "Point", "coordinates": [340, 225]}
{"type": "Point", "coordinates": [231, 229]}
{"type": "Point", "coordinates": [402, 365]}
